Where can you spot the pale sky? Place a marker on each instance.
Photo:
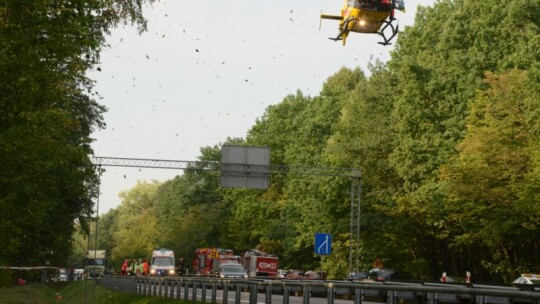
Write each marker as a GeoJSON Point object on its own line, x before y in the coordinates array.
{"type": "Point", "coordinates": [206, 70]}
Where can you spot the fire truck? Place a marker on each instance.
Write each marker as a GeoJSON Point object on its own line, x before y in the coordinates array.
{"type": "Point", "coordinates": [259, 263]}
{"type": "Point", "coordinates": [207, 260]}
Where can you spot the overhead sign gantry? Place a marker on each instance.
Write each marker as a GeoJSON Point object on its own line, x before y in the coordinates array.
{"type": "Point", "coordinates": [249, 167]}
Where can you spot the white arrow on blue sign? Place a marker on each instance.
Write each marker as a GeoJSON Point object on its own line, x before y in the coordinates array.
{"type": "Point", "coordinates": [323, 243]}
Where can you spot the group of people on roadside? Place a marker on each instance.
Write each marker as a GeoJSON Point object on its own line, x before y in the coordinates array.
{"type": "Point", "coordinates": [137, 268]}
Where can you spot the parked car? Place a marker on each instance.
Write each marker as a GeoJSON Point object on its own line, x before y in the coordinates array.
{"type": "Point", "coordinates": [314, 275]}
{"type": "Point", "coordinates": [383, 274]}
{"type": "Point", "coordinates": [528, 278]}
{"type": "Point", "coordinates": [360, 275]}
{"type": "Point", "coordinates": [61, 277]}
{"type": "Point", "coordinates": [232, 271]}
{"type": "Point", "coordinates": [295, 274]}
{"type": "Point", "coordinates": [78, 274]}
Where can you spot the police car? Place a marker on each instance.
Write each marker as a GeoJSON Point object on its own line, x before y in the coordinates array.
{"type": "Point", "coordinates": [528, 278]}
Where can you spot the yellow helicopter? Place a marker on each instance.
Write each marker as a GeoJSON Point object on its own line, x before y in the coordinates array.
{"type": "Point", "coordinates": [367, 16]}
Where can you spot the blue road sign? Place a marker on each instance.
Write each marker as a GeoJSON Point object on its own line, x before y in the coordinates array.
{"type": "Point", "coordinates": [323, 243]}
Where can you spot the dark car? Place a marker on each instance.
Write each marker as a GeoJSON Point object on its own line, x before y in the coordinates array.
{"type": "Point", "coordinates": [359, 275]}
{"type": "Point", "coordinates": [383, 274]}
{"type": "Point", "coordinates": [232, 271]}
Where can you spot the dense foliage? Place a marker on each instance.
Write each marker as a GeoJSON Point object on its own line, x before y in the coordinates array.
{"type": "Point", "coordinates": [47, 113]}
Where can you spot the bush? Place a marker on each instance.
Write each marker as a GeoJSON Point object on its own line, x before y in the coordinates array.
{"type": "Point", "coordinates": [6, 278]}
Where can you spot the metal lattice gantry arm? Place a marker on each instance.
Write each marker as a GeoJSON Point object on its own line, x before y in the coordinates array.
{"type": "Point", "coordinates": [153, 163]}
{"type": "Point", "coordinates": [216, 166]}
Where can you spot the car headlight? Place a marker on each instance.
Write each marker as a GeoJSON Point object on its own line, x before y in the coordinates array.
{"type": "Point", "coordinates": [246, 276]}
{"type": "Point", "coordinates": [171, 271]}
{"type": "Point", "coordinates": [153, 271]}
{"type": "Point", "coordinates": [221, 275]}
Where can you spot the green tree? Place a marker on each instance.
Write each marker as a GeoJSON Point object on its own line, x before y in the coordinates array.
{"type": "Point", "coordinates": [137, 233]}
{"type": "Point", "coordinates": [364, 139]}
{"type": "Point", "coordinates": [190, 208]}
{"type": "Point", "coordinates": [487, 176]}
{"type": "Point", "coordinates": [47, 112]}
{"type": "Point", "coordinates": [439, 64]}
{"type": "Point", "coordinates": [79, 245]}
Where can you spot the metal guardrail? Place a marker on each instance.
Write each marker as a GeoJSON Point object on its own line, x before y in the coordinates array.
{"type": "Point", "coordinates": [187, 288]}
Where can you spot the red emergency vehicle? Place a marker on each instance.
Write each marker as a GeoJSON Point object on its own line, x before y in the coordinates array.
{"type": "Point", "coordinates": [207, 260]}
{"type": "Point", "coordinates": [259, 263]}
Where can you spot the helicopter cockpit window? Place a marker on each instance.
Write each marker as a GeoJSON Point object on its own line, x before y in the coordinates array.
{"type": "Point", "coordinates": [364, 4]}
{"type": "Point", "coordinates": [354, 3]}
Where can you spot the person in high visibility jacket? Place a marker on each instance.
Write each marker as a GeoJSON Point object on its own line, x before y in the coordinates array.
{"type": "Point", "coordinates": [133, 267]}
{"type": "Point", "coordinates": [138, 267]}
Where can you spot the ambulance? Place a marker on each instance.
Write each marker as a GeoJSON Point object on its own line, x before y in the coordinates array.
{"type": "Point", "coordinates": [162, 263]}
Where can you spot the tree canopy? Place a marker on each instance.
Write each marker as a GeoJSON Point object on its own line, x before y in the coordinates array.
{"type": "Point", "coordinates": [48, 111]}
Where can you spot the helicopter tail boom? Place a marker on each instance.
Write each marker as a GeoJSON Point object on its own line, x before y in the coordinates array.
{"type": "Point", "coordinates": [331, 17]}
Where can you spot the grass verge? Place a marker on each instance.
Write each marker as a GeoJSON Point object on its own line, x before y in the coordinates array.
{"type": "Point", "coordinates": [80, 292]}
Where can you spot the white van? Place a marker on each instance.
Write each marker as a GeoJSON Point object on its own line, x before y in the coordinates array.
{"type": "Point", "coordinates": [162, 263]}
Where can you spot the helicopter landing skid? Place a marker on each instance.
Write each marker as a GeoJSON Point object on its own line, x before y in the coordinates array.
{"type": "Point", "coordinates": [343, 30]}
{"type": "Point", "coordinates": [394, 32]}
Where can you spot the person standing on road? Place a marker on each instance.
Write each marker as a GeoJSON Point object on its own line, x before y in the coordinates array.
{"type": "Point", "coordinates": [137, 268]}
{"type": "Point", "coordinates": [124, 268]}
{"type": "Point", "coordinates": [140, 267]}
{"type": "Point", "coordinates": [133, 267]}
{"type": "Point", "coordinates": [145, 267]}
{"type": "Point", "coordinates": [181, 267]}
